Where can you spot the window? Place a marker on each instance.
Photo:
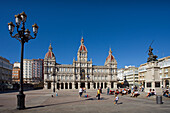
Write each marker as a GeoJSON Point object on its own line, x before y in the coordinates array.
{"type": "Point", "coordinates": [58, 77]}
{"type": "Point", "coordinates": [166, 70]}
{"type": "Point", "coordinates": [160, 71]}
{"type": "Point", "coordinates": [105, 77]}
{"type": "Point", "coordinates": [166, 75]}
{"type": "Point", "coordinates": [66, 77]}
{"type": "Point", "coordinates": [149, 84]}
{"type": "Point", "coordinates": [61, 77]}
{"type": "Point", "coordinates": [70, 77]}
{"type": "Point", "coordinates": [157, 84]}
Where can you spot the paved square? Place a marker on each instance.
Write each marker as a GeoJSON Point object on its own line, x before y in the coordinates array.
{"type": "Point", "coordinates": [40, 101]}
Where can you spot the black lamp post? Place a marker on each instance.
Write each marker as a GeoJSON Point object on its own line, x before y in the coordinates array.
{"type": "Point", "coordinates": [23, 36]}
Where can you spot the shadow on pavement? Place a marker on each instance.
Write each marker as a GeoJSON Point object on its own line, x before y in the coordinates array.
{"type": "Point", "coordinates": [34, 107]}
{"type": "Point", "coordinates": [1, 105]}
{"type": "Point", "coordinates": [97, 99]}
{"type": "Point", "coordinates": [120, 103]}
{"type": "Point", "coordinates": [65, 103]}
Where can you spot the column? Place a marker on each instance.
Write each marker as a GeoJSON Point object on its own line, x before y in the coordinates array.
{"type": "Point", "coordinates": [86, 85]}
{"type": "Point", "coordinates": [52, 85]}
{"type": "Point", "coordinates": [91, 85]}
{"type": "Point", "coordinates": [145, 86]}
{"type": "Point", "coordinates": [45, 85]}
{"type": "Point", "coordinates": [164, 83]}
{"type": "Point", "coordinates": [115, 85]}
{"type": "Point", "coordinates": [79, 85]}
{"type": "Point", "coordinates": [153, 85]}
{"type": "Point", "coordinates": [109, 85]}
{"type": "Point", "coordinates": [73, 85]}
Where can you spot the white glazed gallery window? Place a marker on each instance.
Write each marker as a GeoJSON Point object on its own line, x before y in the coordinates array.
{"type": "Point", "coordinates": [70, 77]}
{"type": "Point", "coordinates": [98, 78]}
{"type": "Point", "coordinates": [58, 77]}
{"type": "Point", "coordinates": [61, 69]}
{"type": "Point", "coordinates": [105, 77]}
{"type": "Point", "coordinates": [61, 77]}
{"type": "Point", "coordinates": [66, 77]}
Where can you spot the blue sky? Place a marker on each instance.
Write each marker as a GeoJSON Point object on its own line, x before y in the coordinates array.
{"type": "Point", "coordinates": [127, 26]}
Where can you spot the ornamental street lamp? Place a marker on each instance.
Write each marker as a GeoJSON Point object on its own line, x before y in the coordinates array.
{"type": "Point", "coordinates": [23, 36]}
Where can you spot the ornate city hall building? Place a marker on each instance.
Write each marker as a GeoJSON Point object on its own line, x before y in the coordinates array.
{"type": "Point", "coordinates": [82, 73]}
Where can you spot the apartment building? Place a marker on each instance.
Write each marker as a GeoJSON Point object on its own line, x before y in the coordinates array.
{"type": "Point", "coordinates": [142, 73]}
{"type": "Point", "coordinates": [131, 74]}
{"type": "Point", "coordinates": [33, 70]}
{"type": "Point", "coordinates": [5, 71]}
{"type": "Point", "coordinates": [164, 64]}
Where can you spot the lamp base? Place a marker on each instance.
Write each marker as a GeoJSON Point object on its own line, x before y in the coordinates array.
{"type": "Point", "coordinates": [20, 101]}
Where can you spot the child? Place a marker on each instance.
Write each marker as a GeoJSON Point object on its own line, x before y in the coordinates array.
{"type": "Point", "coordinates": [116, 99]}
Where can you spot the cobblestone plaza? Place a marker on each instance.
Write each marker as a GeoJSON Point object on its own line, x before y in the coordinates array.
{"type": "Point", "coordinates": [68, 101]}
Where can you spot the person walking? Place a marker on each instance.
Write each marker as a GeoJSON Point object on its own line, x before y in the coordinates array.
{"type": "Point", "coordinates": [142, 88]}
{"type": "Point", "coordinates": [80, 91]}
{"type": "Point", "coordinates": [100, 90]}
{"type": "Point", "coordinates": [98, 94]}
{"type": "Point", "coordinates": [116, 99]}
{"type": "Point", "coordinates": [108, 91]}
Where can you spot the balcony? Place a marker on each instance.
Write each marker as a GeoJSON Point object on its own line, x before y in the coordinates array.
{"type": "Point", "coordinates": [142, 79]}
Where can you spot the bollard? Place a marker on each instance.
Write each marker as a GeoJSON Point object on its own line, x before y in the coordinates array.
{"type": "Point", "coordinates": [159, 100]}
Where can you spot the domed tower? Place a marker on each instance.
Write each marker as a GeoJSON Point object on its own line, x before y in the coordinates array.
{"type": "Point", "coordinates": [110, 60]}
{"type": "Point", "coordinates": [82, 52]}
{"type": "Point", "coordinates": [49, 55]}
{"type": "Point", "coordinates": [49, 66]}
{"type": "Point", "coordinates": [111, 63]}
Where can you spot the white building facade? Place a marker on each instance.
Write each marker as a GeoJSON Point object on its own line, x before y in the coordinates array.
{"type": "Point", "coordinates": [27, 71]}
{"type": "Point", "coordinates": [33, 70]}
{"type": "Point", "coordinates": [5, 71]}
{"type": "Point", "coordinates": [81, 73]}
{"type": "Point", "coordinates": [131, 74]}
{"type": "Point", "coordinates": [120, 75]}
{"type": "Point", "coordinates": [164, 64]}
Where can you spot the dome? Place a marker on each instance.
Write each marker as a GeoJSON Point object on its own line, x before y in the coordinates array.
{"type": "Point", "coordinates": [82, 47]}
{"type": "Point", "coordinates": [50, 54]}
{"type": "Point", "coordinates": [110, 58]}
